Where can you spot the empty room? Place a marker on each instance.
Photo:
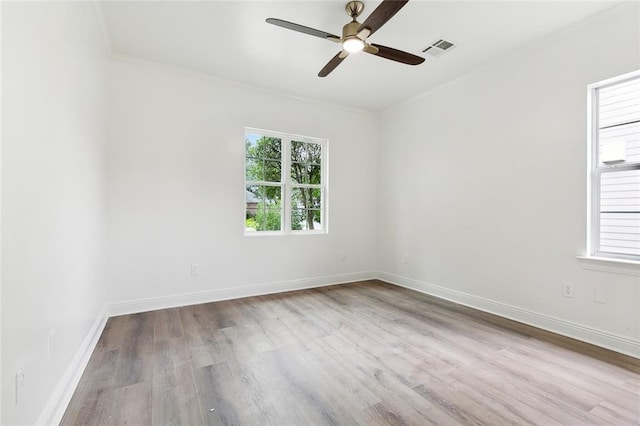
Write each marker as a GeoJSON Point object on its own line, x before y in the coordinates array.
{"type": "Point", "coordinates": [380, 212]}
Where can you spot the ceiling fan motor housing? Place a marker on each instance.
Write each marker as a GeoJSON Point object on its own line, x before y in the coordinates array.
{"type": "Point", "coordinates": [350, 30]}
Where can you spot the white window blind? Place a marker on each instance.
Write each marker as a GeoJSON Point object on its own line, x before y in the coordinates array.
{"type": "Point", "coordinates": [616, 169]}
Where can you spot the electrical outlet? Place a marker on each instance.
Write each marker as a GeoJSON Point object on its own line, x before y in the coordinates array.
{"type": "Point", "coordinates": [19, 382]}
{"type": "Point", "coordinates": [195, 270]}
{"type": "Point", "coordinates": [600, 294]}
{"type": "Point", "coordinates": [568, 289]}
{"type": "Point", "coordinates": [343, 257]}
{"type": "Point", "coordinates": [406, 259]}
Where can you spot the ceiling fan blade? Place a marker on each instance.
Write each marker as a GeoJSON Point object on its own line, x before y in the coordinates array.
{"type": "Point", "coordinates": [382, 14]}
{"type": "Point", "coordinates": [394, 54]}
{"type": "Point", "coordinates": [302, 29]}
{"type": "Point", "coordinates": [333, 63]}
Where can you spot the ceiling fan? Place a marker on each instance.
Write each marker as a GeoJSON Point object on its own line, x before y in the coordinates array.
{"type": "Point", "coordinates": [354, 34]}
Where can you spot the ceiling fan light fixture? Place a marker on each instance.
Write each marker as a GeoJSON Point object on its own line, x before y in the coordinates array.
{"type": "Point", "coordinates": [353, 44]}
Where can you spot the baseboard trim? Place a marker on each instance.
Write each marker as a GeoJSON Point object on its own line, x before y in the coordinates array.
{"type": "Point", "coordinates": [59, 400]}
{"type": "Point", "coordinates": [596, 337]}
{"type": "Point", "coordinates": [151, 304]}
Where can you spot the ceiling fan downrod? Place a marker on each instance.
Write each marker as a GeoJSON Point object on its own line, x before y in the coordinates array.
{"type": "Point", "coordinates": [354, 9]}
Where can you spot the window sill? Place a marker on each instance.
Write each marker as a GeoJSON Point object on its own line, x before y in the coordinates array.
{"type": "Point", "coordinates": [282, 234]}
{"type": "Point", "coordinates": [605, 264]}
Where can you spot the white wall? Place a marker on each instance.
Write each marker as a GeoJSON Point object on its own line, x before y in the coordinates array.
{"type": "Point", "coordinates": [482, 184]}
{"type": "Point", "coordinates": [176, 188]}
{"type": "Point", "coordinates": [53, 193]}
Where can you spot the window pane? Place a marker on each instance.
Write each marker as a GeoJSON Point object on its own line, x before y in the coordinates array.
{"type": "Point", "coordinates": [305, 209]}
{"type": "Point", "coordinates": [263, 208]}
{"type": "Point", "coordinates": [252, 171]}
{"type": "Point", "coordinates": [620, 144]}
{"type": "Point", "coordinates": [306, 152]}
{"type": "Point", "coordinates": [619, 103]}
{"type": "Point", "coordinates": [306, 198]}
{"type": "Point", "coordinates": [263, 170]}
{"type": "Point", "coordinates": [306, 220]}
{"type": "Point", "coordinates": [263, 158]}
{"type": "Point", "coordinates": [271, 221]}
{"type": "Point", "coordinates": [272, 170]}
{"type": "Point", "coordinates": [619, 123]}
{"type": "Point", "coordinates": [263, 147]}
{"type": "Point", "coordinates": [270, 195]}
{"type": "Point", "coordinates": [306, 162]}
{"type": "Point", "coordinates": [252, 199]}
{"type": "Point", "coordinates": [620, 212]}
{"type": "Point", "coordinates": [305, 173]}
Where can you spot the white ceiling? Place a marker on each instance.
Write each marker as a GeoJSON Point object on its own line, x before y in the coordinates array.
{"type": "Point", "coordinates": [230, 39]}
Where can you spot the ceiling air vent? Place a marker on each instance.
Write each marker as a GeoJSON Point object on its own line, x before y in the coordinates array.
{"type": "Point", "coordinates": [438, 48]}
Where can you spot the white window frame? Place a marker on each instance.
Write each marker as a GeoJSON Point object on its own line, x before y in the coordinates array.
{"type": "Point", "coordinates": [288, 185]}
{"type": "Point", "coordinates": [595, 171]}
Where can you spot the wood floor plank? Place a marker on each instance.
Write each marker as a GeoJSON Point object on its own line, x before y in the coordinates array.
{"type": "Point", "coordinates": [168, 358]}
{"type": "Point", "coordinates": [87, 403]}
{"type": "Point", "coordinates": [380, 414]}
{"type": "Point", "coordinates": [230, 395]}
{"type": "Point", "coordinates": [135, 361]}
{"type": "Point", "coordinates": [341, 384]}
{"type": "Point", "coordinates": [221, 315]}
{"type": "Point", "coordinates": [300, 394]}
{"type": "Point", "coordinates": [511, 402]}
{"type": "Point", "coordinates": [589, 388]}
{"type": "Point", "coordinates": [615, 414]}
{"type": "Point", "coordinates": [167, 324]}
{"type": "Point", "coordinates": [385, 383]}
{"type": "Point", "coordinates": [128, 405]}
{"type": "Point", "coordinates": [500, 400]}
{"type": "Point", "coordinates": [365, 353]}
{"type": "Point", "coordinates": [175, 402]}
{"type": "Point", "coordinates": [113, 333]}
{"type": "Point", "coordinates": [561, 387]}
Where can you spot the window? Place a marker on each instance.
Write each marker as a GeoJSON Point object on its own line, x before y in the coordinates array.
{"type": "Point", "coordinates": [285, 183]}
{"type": "Point", "coordinates": [614, 172]}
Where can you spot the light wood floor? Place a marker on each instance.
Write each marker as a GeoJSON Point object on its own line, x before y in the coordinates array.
{"type": "Point", "coordinates": [365, 353]}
